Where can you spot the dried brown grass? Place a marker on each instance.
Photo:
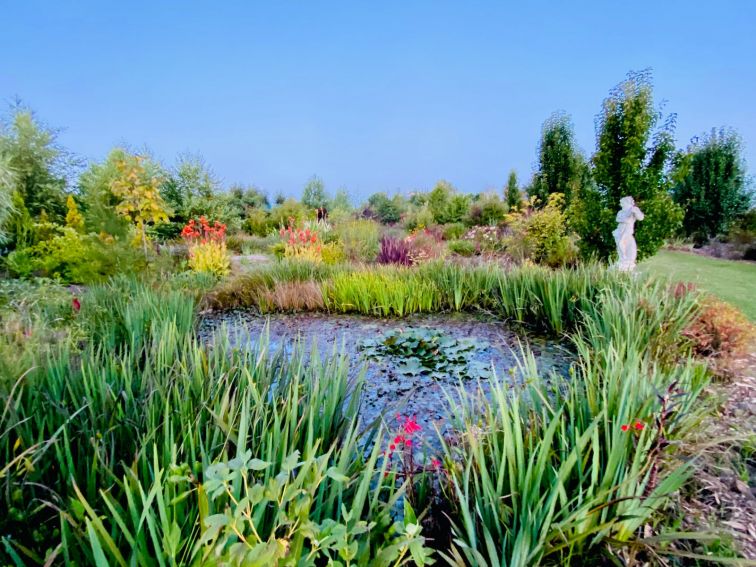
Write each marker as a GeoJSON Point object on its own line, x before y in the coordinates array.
{"type": "Point", "coordinates": [294, 296]}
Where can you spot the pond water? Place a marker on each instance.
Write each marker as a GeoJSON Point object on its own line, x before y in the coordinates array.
{"type": "Point", "coordinates": [410, 362]}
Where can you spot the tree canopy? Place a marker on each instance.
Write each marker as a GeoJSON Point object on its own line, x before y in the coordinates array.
{"type": "Point", "coordinates": [710, 184]}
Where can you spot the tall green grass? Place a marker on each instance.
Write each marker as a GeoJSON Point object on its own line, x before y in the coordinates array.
{"type": "Point", "coordinates": [548, 474]}
{"type": "Point", "coordinates": [111, 452]}
{"type": "Point", "coordinates": [555, 301]}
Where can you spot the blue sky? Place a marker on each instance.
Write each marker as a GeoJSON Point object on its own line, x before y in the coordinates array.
{"type": "Point", "coordinates": [379, 96]}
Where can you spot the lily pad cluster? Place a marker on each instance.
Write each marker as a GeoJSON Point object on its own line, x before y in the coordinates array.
{"type": "Point", "coordinates": [423, 351]}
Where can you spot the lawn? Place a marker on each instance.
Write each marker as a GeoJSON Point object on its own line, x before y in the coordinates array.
{"type": "Point", "coordinates": [732, 281]}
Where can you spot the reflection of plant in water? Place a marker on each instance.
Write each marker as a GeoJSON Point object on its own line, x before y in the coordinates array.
{"type": "Point", "coordinates": [427, 351]}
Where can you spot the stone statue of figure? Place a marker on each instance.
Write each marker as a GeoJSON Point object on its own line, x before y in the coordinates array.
{"type": "Point", "coordinates": [627, 249]}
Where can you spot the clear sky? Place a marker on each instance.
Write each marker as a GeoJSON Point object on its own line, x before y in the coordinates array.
{"type": "Point", "coordinates": [371, 96]}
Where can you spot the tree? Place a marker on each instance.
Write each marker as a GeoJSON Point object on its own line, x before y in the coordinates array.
{"type": "Point", "coordinates": [710, 184]}
{"type": "Point", "coordinates": [341, 201]}
{"type": "Point", "coordinates": [139, 196]}
{"type": "Point", "coordinates": [558, 160]}
{"type": "Point", "coordinates": [632, 158]}
{"type": "Point", "coordinates": [190, 189]}
{"type": "Point", "coordinates": [438, 201]}
{"type": "Point", "coordinates": [512, 194]}
{"type": "Point", "coordinates": [487, 210]}
{"type": "Point", "coordinates": [458, 208]}
{"type": "Point", "coordinates": [96, 196]}
{"type": "Point", "coordinates": [39, 166]}
{"type": "Point", "coordinates": [33, 176]}
{"type": "Point", "coordinates": [74, 219]}
{"type": "Point", "coordinates": [314, 195]}
{"type": "Point", "coordinates": [386, 210]}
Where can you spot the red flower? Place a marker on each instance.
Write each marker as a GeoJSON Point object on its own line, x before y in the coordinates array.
{"type": "Point", "coordinates": [639, 426]}
{"type": "Point", "coordinates": [76, 304]}
{"type": "Point", "coordinates": [411, 426]}
{"type": "Point", "coordinates": [436, 464]}
{"type": "Point", "coordinates": [625, 427]}
{"type": "Point", "coordinates": [392, 447]}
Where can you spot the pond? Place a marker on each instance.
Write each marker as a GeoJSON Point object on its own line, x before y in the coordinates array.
{"type": "Point", "coordinates": [411, 363]}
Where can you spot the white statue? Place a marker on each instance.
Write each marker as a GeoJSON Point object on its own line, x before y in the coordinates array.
{"type": "Point", "coordinates": [627, 249]}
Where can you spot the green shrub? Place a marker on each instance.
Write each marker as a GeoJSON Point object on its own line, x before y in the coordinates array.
{"type": "Point", "coordinates": [454, 231]}
{"type": "Point", "coordinates": [419, 218]}
{"type": "Point", "coordinates": [281, 215]}
{"type": "Point", "coordinates": [75, 258]}
{"type": "Point", "coordinates": [258, 223]}
{"type": "Point", "coordinates": [360, 239]}
{"type": "Point", "coordinates": [386, 210]}
{"type": "Point", "coordinates": [462, 247]}
{"type": "Point", "coordinates": [541, 235]}
{"type": "Point", "coordinates": [488, 210]}
{"type": "Point", "coordinates": [333, 253]}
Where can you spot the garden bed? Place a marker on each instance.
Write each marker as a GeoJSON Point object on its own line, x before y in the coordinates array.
{"type": "Point", "coordinates": [404, 381]}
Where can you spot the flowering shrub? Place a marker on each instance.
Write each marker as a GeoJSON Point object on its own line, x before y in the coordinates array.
{"type": "Point", "coordinates": [541, 235]}
{"type": "Point", "coordinates": [301, 243]}
{"type": "Point", "coordinates": [207, 246]}
{"type": "Point", "coordinates": [425, 245]}
{"type": "Point", "coordinates": [485, 238]}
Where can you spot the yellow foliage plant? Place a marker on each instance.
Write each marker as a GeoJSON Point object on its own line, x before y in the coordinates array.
{"type": "Point", "coordinates": [210, 257]}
